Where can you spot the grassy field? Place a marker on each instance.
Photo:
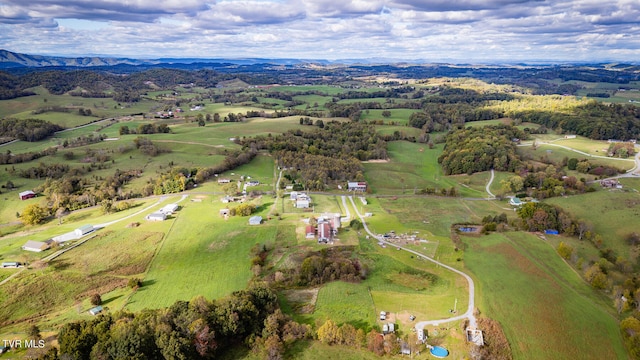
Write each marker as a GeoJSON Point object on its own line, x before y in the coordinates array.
{"type": "Point", "coordinates": [412, 166]}
{"type": "Point", "coordinates": [197, 255]}
{"type": "Point", "coordinates": [614, 215]}
{"type": "Point", "coordinates": [399, 116]}
{"type": "Point", "coordinates": [547, 152]}
{"type": "Point", "coordinates": [99, 265]}
{"type": "Point", "coordinates": [546, 310]}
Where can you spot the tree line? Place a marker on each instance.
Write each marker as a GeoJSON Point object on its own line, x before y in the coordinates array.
{"type": "Point", "coordinates": [27, 129]}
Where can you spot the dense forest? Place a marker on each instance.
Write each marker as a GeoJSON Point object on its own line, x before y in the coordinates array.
{"type": "Point", "coordinates": [477, 149]}
{"type": "Point", "coordinates": [331, 152]}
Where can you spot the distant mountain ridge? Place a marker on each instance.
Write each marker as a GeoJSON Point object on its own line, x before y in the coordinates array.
{"type": "Point", "coordinates": [9, 59]}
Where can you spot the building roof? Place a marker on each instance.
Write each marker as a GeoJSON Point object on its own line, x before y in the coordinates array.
{"type": "Point", "coordinates": [95, 310]}
{"type": "Point", "coordinates": [35, 245]}
{"type": "Point", "coordinates": [255, 220]}
{"type": "Point", "coordinates": [27, 192]}
{"type": "Point", "coordinates": [85, 228]}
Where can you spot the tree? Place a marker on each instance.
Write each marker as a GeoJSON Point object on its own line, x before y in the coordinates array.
{"type": "Point", "coordinates": [216, 117]}
{"type": "Point", "coordinates": [33, 332]}
{"type": "Point", "coordinates": [564, 250]}
{"type": "Point", "coordinates": [34, 214]}
{"type": "Point", "coordinates": [386, 113]}
{"type": "Point", "coordinates": [328, 333]}
{"type": "Point", "coordinates": [96, 299]}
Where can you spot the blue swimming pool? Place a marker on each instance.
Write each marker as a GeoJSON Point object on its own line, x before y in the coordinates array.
{"type": "Point", "coordinates": [439, 352]}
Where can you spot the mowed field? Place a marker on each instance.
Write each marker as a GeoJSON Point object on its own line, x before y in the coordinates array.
{"type": "Point", "coordinates": [412, 166]}
{"type": "Point", "coordinates": [202, 254]}
{"type": "Point", "coordinates": [546, 310]}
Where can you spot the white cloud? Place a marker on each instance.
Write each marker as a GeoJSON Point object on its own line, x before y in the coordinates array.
{"type": "Point", "coordinates": [403, 29]}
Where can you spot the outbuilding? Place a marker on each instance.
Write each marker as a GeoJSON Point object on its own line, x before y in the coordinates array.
{"type": "Point", "coordinates": [11, 264]}
{"type": "Point", "coordinates": [96, 310]}
{"type": "Point", "coordinates": [255, 220]}
{"type": "Point", "coordinates": [310, 232]}
{"type": "Point", "coordinates": [35, 246]}
{"type": "Point", "coordinates": [83, 230]}
{"type": "Point", "coordinates": [27, 195]}
{"type": "Point", "coordinates": [157, 216]}
{"type": "Point", "coordinates": [169, 209]}
{"type": "Point", "coordinates": [515, 201]}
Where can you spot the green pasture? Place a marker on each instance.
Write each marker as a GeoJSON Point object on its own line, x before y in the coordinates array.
{"type": "Point", "coordinates": [412, 166]}
{"type": "Point", "coordinates": [202, 254]}
{"type": "Point", "coordinates": [99, 265]}
{"type": "Point", "coordinates": [546, 310]}
{"type": "Point", "coordinates": [614, 215]}
{"type": "Point", "coordinates": [548, 152]}
{"type": "Point", "coordinates": [390, 129]}
{"type": "Point", "coordinates": [400, 116]}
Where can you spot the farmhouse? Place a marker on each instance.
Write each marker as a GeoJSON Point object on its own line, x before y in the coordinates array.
{"type": "Point", "coordinates": [293, 195]}
{"type": "Point", "coordinates": [83, 230]}
{"type": "Point", "coordinates": [27, 195]}
{"type": "Point", "coordinates": [157, 216]}
{"type": "Point", "coordinates": [303, 202]}
{"type": "Point", "coordinates": [169, 209]}
{"type": "Point", "coordinates": [255, 220]}
{"type": "Point", "coordinates": [357, 186]}
{"type": "Point", "coordinates": [96, 310]}
{"type": "Point", "coordinates": [611, 183]}
{"type": "Point", "coordinates": [35, 246]}
{"type": "Point", "coordinates": [515, 201]}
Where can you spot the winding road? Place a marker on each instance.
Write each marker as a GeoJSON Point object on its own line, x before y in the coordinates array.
{"type": "Point", "coordinates": [420, 325]}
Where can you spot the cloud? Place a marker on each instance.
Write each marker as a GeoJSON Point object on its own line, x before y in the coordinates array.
{"type": "Point", "coordinates": [403, 29]}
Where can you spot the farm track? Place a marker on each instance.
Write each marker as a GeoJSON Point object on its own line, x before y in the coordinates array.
{"type": "Point", "coordinates": [420, 325]}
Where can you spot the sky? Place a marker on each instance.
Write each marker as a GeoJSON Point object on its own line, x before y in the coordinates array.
{"type": "Point", "coordinates": [460, 31]}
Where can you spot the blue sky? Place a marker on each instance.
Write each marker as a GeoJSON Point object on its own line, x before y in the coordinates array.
{"type": "Point", "coordinates": [463, 31]}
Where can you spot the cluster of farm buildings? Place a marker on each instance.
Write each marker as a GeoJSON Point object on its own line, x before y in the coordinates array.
{"type": "Point", "coordinates": [162, 214]}
{"type": "Point", "coordinates": [38, 246]}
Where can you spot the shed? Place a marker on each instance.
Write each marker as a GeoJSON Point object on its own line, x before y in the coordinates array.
{"type": "Point", "coordinates": [35, 246]}
{"type": "Point", "coordinates": [169, 209]}
{"type": "Point", "coordinates": [551, 232]}
{"type": "Point", "coordinates": [255, 220]}
{"type": "Point", "coordinates": [10, 264]}
{"type": "Point", "coordinates": [157, 216]}
{"type": "Point", "coordinates": [83, 230]}
{"type": "Point", "coordinates": [224, 212]}
{"type": "Point", "coordinates": [96, 310]}
{"type": "Point", "coordinates": [515, 201]}
{"type": "Point", "coordinates": [27, 195]}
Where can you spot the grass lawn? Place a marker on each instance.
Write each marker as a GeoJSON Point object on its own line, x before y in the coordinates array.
{"type": "Point", "coordinates": [202, 254]}
{"type": "Point", "coordinates": [545, 309]}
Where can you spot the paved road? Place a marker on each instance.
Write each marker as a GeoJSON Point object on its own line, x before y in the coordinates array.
{"type": "Point", "coordinates": [420, 325]}
{"type": "Point", "coordinates": [488, 188]}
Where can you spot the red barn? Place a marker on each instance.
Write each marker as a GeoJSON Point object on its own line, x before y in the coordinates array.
{"type": "Point", "coordinates": [27, 195]}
